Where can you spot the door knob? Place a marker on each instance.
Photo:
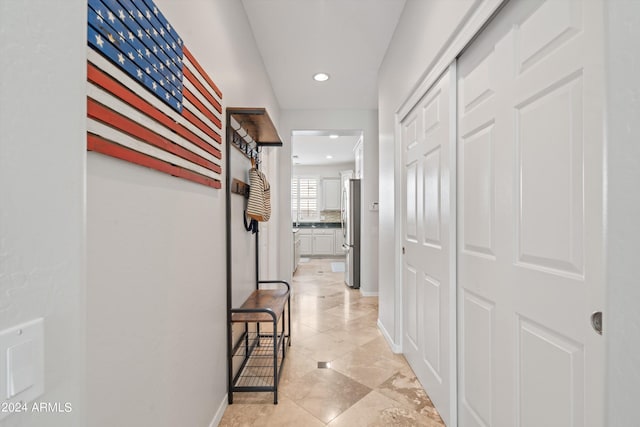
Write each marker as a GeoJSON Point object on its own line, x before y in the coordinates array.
{"type": "Point", "coordinates": [596, 322]}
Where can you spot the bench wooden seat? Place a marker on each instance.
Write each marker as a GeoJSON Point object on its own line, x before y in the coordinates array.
{"type": "Point", "coordinates": [263, 305]}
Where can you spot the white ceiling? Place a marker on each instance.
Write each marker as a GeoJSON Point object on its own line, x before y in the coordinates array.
{"type": "Point", "coordinates": [312, 148]}
{"type": "Point", "coordinates": [345, 38]}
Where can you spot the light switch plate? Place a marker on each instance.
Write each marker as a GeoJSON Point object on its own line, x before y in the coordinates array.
{"type": "Point", "coordinates": [22, 363]}
{"type": "Point", "coordinates": [20, 368]}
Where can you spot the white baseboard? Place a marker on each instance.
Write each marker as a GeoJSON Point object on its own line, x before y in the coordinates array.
{"type": "Point", "coordinates": [220, 412]}
{"type": "Point", "coordinates": [394, 347]}
{"type": "Point", "coordinates": [368, 294]}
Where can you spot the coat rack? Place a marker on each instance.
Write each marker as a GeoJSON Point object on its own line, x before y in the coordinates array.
{"type": "Point", "coordinates": [249, 130]}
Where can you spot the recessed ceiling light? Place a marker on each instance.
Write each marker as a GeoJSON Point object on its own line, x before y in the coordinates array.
{"type": "Point", "coordinates": [321, 77]}
{"type": "Point", "coordinates": [333, 136]}
{"type": "Point", "coordinates": [329, 156]}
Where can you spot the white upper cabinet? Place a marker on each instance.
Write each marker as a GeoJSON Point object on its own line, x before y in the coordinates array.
{"type": "Point", "coordinates": [358, 151]}
{"type": "Point", "coordinates": [331, 193]}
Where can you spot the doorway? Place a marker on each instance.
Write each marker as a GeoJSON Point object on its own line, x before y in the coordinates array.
{"type": "Point", "coordinates": [321, 162]}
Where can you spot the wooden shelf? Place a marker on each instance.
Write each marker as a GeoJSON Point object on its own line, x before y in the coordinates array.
{"type": "Point", "coordinates": [263, 305]}
{"type": "Point", "coordinates": [258, 124]}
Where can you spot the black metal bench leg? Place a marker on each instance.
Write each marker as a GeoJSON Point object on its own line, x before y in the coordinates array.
{"type": "Point", "coordinates": [289, 318]}
{"type": "Point", "coordinates": [275, 362]}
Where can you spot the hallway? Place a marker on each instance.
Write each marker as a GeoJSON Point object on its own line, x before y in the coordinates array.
{"type": "Point", "coordinates": [366, 384]}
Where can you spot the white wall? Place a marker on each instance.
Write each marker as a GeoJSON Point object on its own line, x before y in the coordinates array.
{"type": "Point", "coordinates": [622, 317]}
{"type": "Point", "coordinates": [156, 254]}
{"type": "Point", "coordinates": [421, 36]}
{"type": "Point", "coordinates": [42, 163]}
{"type": "Point", "coordinates": [365, 120]}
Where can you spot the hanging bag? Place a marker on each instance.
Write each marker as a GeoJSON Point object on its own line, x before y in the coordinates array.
{"type": "Point", "coordinates": [259, 206]}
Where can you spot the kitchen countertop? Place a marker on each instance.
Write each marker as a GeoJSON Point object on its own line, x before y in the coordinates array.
{"type": "Point", "coordinates": [317, 225]}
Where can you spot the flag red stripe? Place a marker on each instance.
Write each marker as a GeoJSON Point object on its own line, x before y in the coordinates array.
{"type": "Point", "coordinates": [104, 146]}
{"type": "Point", "coordinates": [104, 114]}
{"type": "Point", "coordinates": [195, 120]}
{"type": "Point", "coordinates": [201, 107]}
{"type": "Point", "coordinates": [100, 78]}
{"type": "Point", "coordinates": [203, 90]}
{"type": "Point", "coordinates": [198, 67]}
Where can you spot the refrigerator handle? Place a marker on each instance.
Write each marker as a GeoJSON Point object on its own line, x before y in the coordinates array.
{"type": "Point", "coordinates": [343, 209]}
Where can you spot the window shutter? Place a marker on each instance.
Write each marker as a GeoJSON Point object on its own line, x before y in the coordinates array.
{"type": "Point", "coordinates": [304, 198]}
{"type": "Point", "coordinates": [308, 198]}
{"type": "Point", "coordinates": [294, 199]}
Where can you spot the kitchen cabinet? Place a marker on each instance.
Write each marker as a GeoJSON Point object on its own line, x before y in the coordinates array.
{"type": "Point", "coordinates": [320, 241]}
{"type": "Point", "coordinates": [306, 239]}
{"type": "Point", "coordinates": [331, 194]}
{"type": "Point", "coordinates": [358, 151]}
{"type": "Point", "coordinates": [296, 250]}
{"type": "Point", "coordinates": [323, 241]}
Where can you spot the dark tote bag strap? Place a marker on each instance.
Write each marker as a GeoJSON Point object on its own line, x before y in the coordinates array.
{"type": "Point", "coordinates": [252, 226]}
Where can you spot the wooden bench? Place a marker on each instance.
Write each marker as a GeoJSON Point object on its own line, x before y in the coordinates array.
{"type": "Point", "coordinates": [261, 353]}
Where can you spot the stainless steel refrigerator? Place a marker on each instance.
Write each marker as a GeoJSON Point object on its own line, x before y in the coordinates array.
{"type": "Point", "coordinates": [351, 232]}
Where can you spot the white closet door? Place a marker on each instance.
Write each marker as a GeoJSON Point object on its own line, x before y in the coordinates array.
{"type": "Point", "coordinates": [530, 233]}
{"type": "Point", "coordinates": [427, 290]}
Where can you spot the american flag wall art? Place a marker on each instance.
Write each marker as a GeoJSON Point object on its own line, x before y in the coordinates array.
{"type": "Point", "coordinates": [149, 101]}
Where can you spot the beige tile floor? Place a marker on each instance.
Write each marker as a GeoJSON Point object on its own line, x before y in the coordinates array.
{"type": "Point", "coordinates": [366, 385]}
